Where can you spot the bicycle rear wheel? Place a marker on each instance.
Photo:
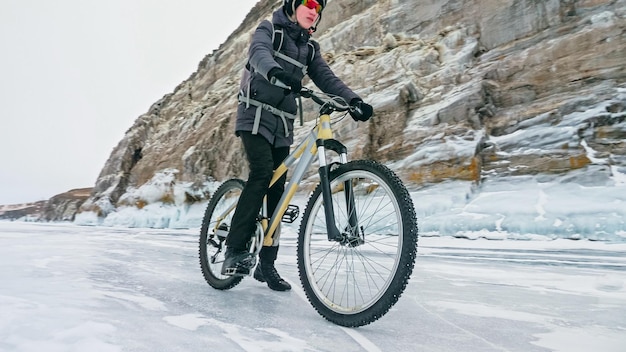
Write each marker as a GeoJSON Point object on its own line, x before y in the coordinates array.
{"type": "Point", "coordinates": [356, 280]}
{"type": "Point", "coordinates": [215, 225]}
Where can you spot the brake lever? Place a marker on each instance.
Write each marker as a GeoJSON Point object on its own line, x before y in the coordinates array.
{"type": "Point", "coordinates": [355, 109]}
{"type": "Point", "coordinates": [306, 92]}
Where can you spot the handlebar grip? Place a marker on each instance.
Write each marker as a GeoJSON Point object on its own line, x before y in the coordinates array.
{"type": "Point", "coordinates": [278, 83]}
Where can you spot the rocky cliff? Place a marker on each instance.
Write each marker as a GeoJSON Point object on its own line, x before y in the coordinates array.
{"type": "Point", "coordinates": [462, 89]}
{"type": "Point", "coordinates": [61, 207]}
{"type": "Point", "coordinates": [25, 211]}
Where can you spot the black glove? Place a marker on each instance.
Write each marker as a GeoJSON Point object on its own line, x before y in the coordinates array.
{"type": "Point", "coordinates": [294, 83]}
{"type": "Point", "coordinates": [359, 110]}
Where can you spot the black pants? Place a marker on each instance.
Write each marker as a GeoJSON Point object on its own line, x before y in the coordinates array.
{"type": "Point", "coordinates": [263, 158]}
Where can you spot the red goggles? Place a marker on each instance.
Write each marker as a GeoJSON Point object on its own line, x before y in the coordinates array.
{"type": "Point", "coordinates": [312, 4]}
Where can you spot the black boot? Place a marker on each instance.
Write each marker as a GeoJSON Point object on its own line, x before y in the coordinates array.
{"type": "Point", "coordinates": [266, 272]}
{"type": "Point", "coordinates": [237, 262]}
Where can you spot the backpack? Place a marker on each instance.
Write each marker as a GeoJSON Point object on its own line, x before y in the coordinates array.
{"type": "Point", "coordinates": [277, 44]}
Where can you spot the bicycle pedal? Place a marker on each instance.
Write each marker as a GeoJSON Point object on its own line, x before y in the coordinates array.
{"type": "Point", "coordinates": [291, 214]}
{"type": "Point", "coordinates": [222, 230]}
{"type": "Point", "coordinates": [236, 272]}
{"type": "Point", "coordinates": [213, 243]}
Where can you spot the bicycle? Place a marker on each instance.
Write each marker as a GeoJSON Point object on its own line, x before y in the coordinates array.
{"type": "Point", "coordinates": [357, 240]}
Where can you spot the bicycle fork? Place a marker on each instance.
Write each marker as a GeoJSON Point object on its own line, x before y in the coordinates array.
{"type": "Point", "coordinates": [324, 171]}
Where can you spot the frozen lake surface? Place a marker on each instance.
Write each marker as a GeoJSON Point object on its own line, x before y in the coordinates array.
{"type": "Point", "coordinates": [65, 287]}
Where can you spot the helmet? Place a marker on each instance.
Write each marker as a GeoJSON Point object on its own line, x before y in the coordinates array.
{"type": "Point", "coordinates": [290, 6]}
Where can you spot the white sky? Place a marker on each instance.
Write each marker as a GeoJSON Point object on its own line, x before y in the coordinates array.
{"type": "Point", "coordinates": [74, 76]}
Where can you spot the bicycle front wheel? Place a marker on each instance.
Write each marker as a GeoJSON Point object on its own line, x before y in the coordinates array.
{"type": "Point", "coordinates": [354, 280]}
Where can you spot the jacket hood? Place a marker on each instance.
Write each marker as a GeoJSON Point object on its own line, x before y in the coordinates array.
{"type": "Point", "coordinates": [293, 29]}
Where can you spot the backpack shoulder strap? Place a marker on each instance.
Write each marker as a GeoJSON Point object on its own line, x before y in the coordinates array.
{"type": "Point", "coordinates": [277, 38]}
{"type": "Point", "coordinates": [311, 53]}
{"type": "Point", "coordinates": [277, 43]}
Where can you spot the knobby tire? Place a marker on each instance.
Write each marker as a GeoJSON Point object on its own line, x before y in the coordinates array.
{"type": "Point", "coordinates": [224, 196]}
{"type": "Point", "coordinates": [355, 283]}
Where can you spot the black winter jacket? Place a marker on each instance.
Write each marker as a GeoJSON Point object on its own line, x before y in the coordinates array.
{"type": "Point", "coordinates": [262, 60]}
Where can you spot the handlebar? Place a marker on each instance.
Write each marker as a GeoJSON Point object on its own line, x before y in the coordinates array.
{"type": "Point", "coordinates": [336, 103]}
